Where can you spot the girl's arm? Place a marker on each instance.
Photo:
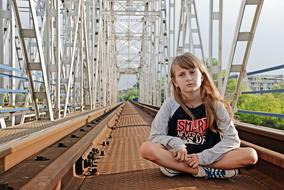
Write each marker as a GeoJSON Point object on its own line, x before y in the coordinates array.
{"type": "Point", "coordinates": [230, 139]}
{"type": "Point", "coordinates": [159, 129]}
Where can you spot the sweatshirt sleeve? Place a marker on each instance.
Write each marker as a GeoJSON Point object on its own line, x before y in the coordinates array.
{"type": "Point", "coordinates": [229, 141]}
{"type": "Point", "coordinates": [159, 129]}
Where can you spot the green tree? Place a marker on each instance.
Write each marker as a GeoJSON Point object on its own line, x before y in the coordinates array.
{"type": "Point", "coordinates": [129, 94]}
{"type": "Point", "coordinates": [262, 103]}
{"type": "Point", "coordinates": [270, 103]}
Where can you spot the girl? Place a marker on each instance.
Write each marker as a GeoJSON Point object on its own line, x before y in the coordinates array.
{"type": "Point", "coordinates": [193, 132]}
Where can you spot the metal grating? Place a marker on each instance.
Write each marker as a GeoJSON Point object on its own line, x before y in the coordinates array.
{"type": "Point", "coordinates": [123, 168]}
{"type": "Point", "coordinates": [122, 153]}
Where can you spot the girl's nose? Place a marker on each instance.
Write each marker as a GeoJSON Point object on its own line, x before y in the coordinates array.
{"type": "Point", "coordinates": [188, 77]}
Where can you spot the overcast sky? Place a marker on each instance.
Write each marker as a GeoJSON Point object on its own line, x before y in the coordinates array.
{"type": "Point", "coordinates": [267, 49]}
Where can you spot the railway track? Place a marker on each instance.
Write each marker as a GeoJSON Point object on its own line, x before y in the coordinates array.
{"type": "Point", "coordinates": [100, 151]}
{"type": "Point", "coordinates": [22, 159]}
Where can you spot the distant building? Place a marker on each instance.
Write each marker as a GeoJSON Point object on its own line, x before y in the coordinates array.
{"type": "Point", "coordinates": [264, 82]}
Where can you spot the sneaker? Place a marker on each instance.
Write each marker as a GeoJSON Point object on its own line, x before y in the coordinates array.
{"type": "Point", "coordinates": [219, 173]}
{"type": "Point", "coordinates": [169, 172]}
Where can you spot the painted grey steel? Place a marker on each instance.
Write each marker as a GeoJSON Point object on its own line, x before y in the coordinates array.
{"type": "Point", "coordinates": [72, 59]}
{"type": "Point", "coordinates": [33, 33]}
{"type": "Point", "coordinates": [185, 39]}
{"type": "Point", "coordinates": [216, 16]}
{"type": "Point", "coordinates": [241, 36]}
{"type": "Point", "coordinates": [2, 53]}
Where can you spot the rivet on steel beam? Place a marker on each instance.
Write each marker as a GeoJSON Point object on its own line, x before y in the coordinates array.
{"type": "Point", "coordinates": [104, 143]}
{"type": "Point", "coordinates": [107, 142]}
{"type": "Point", "coordinates": [82, 129]}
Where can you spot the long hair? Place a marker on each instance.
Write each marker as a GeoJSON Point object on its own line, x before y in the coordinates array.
{"type": "Point", "coordinates": [209, 93]}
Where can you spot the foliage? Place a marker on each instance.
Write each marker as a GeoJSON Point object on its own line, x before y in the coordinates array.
{"type": "Point", "coordinates": [129, 94]}
{"type": "Point", "coordinates": [6, 98]}
{"type": "Point", "coordinates": [270, 103]}
{"type": "Point", "coordinates": [231, 87]}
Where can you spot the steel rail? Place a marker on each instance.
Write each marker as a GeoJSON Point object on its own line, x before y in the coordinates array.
{"type": "Point", "coordinates": [55, 174]}
{"type": "Point", "coordinates": [17, 150]}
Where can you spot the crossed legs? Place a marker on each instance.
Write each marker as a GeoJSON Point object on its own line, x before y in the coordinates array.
{"type": "Point", "coordinates": [237, 158]}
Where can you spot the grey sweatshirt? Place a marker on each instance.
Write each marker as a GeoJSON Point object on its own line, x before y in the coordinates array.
{"type": "Point", "coordinates": [159, 130]}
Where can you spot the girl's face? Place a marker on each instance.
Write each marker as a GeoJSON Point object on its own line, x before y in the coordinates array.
{"type": "Point", "coordinates": [188, 80]}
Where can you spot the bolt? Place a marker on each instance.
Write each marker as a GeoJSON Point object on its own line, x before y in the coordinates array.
{"type": "Point", "coordinates": [93, 171]}
{"type": "Point", "coordinates": [74, 136]}
{"type": "Point", "coordinates": [62, 145]}
{"type": "Point", "coordinates": [41, 158]}
{"type": "Point", "coordinates": [102, 153]}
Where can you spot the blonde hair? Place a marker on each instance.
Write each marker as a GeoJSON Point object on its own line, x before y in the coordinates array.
{"type": "Point", "coordinates": [209, 93]}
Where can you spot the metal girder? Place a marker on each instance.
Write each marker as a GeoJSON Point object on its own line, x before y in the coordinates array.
{"type": "Point", "coordinates": [33, 33]}
{"type": "Point", "coordinates": [72, 60]}
{"type": "Point", "coordinates": [128, 71]}
{"type": "Point", "coordinates": [186, 32]}
{"type": "Point", "coordinates": [89, 44]}
{"type": "Point", "coordinates": [216, 70]}
{"type": "Point", "coordinates": [241, 36]}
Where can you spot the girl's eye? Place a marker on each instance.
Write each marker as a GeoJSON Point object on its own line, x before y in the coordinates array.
{"type": "Point", "coordinates": [191, 72]}
{"type": "Point", "coordinates": [181, 74]}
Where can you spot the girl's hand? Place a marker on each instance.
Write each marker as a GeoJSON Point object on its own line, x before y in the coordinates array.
{"type": "Point", "coordinates": [180, 155]}
{"type": "Point", "coordinates": [192, 160]}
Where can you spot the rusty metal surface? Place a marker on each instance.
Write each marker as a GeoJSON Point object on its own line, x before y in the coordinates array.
{"type": "Point", "coordinates": [17, 131]}
{"type": "Point", "coordinates": [29, 168]}
{"type": "Point", "coordinates": [152, 179]}
{"type": "Point", "coordinates": [130, 117]}
{"type": "Point", "coordinates": [131, 120]}
{"type": "Point", "coordinates": [123, 168]}
{"type": "Point", "coordinates": [122, 153]}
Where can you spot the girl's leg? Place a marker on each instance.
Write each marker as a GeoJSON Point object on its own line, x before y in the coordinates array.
{"type": "Point", "coordinates": [159, 155]}
{"type": "Point", "coordinates": [236, 158]}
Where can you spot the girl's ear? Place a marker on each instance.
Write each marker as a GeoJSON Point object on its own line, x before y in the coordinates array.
{"type": "Point", "coordinates": [174, 82]}
{"type": "Point", "coordinates": [202, 78]}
